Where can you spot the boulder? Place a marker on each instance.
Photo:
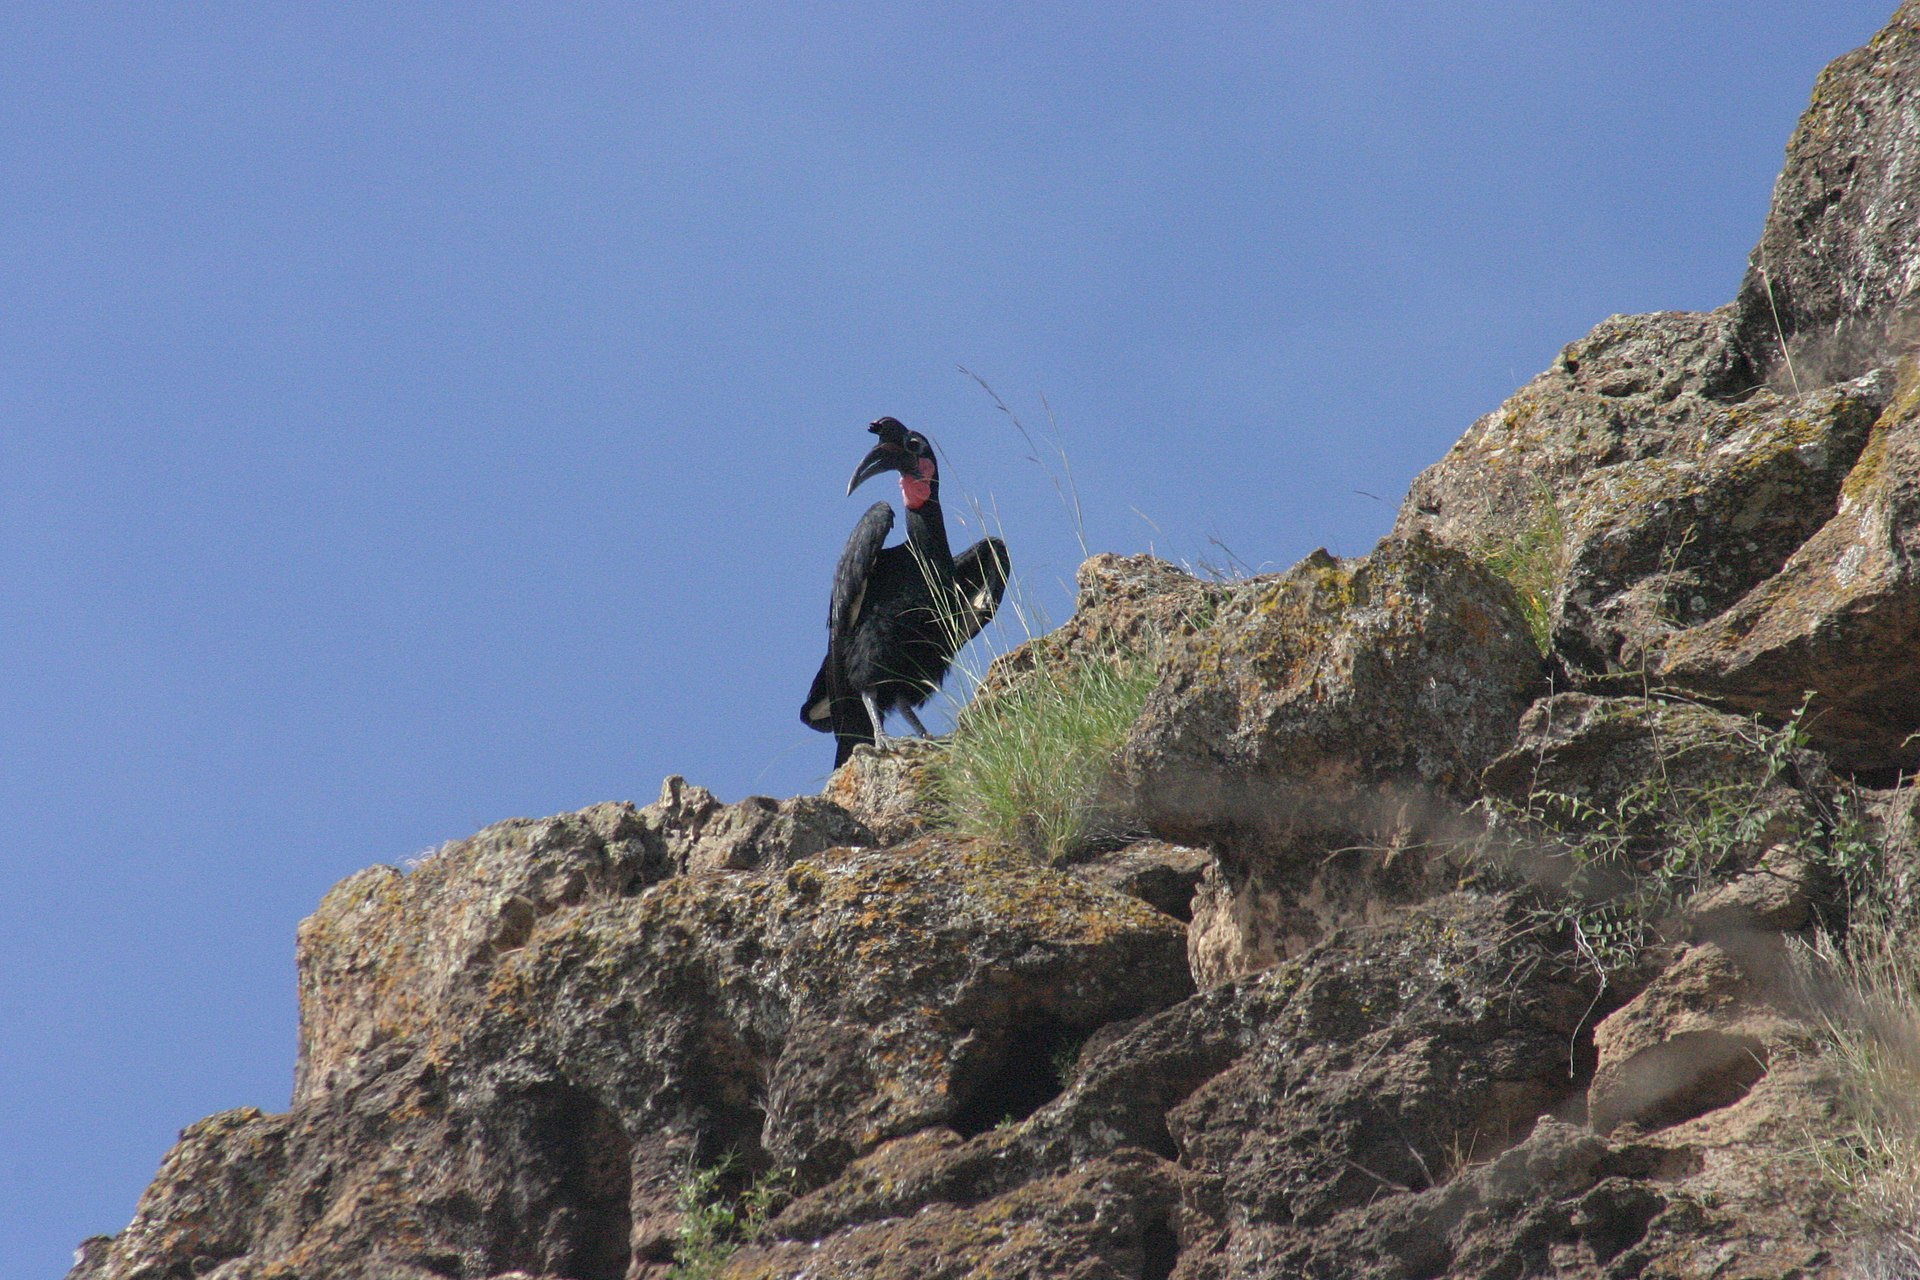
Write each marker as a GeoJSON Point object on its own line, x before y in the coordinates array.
{"type": "Point", "coordinates": [1631, 498]}
{"type": "Point", "coordinates": [1839, 619]}
{"type": "Point", "coordinates": [1837, 267]}
{"type": "Point", "coordinates": [1669, 765]}
{"type": "Point", "coordinates": [1636, 387]}
{"type": "Point", "coordinates": [1697, 1039]}
{"type": "Point", "coordinates": [1661, 543]}
{"type": "Point", "coordinates": [1327, 721]}
{"type": "Point", "coordinates": [1124, 604]}
{"type": "Point", "coordinates": [1331, 688]}
{"type": "Point", "coordinates": [1665, 821]}
{"type": "Point", "coordinates": [887, 788]}
{"type": "Point", "coordinates": [390, 955]}
{"type": "Point", "coordinates": [206, 1206]}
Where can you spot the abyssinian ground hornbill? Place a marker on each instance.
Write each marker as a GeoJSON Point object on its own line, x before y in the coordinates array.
{"type": "Point", "coordinates": [899, 613]}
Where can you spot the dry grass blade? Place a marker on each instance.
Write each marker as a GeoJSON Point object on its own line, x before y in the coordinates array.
{"type": "Point", "coordinates": [1063, 482]}
{"type": "Point", "coordinates": [1867, 992]}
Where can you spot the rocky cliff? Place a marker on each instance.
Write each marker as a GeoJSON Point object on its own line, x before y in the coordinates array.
{"type": "Point", "coordinates": [1453, 934]}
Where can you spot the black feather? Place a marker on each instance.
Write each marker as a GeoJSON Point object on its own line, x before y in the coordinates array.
{"type": "Point", "coordinates": [898, 616]}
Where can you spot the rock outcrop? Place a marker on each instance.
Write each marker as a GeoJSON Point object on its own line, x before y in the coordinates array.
{"type": "Point", "coordinates": [1833, 288]}
{"type": "Point", "coordinates": [1840, 618]}
{"type": "Point", "coordinates": [1723, 504]}
{"type": "Point", "coordinates": [511, 1056]}
{"type": "Point", "coordinates": [1325, 719]}
{"type": "Point", "coordinates": [1420, 952]}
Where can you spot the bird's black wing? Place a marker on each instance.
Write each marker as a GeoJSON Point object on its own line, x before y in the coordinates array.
{"type": "Point", "coordinates": [817, 711]}
{"type": "Point", "coordinates": [980, 577]}
{"type": "Point", "coordinates": [850, 578]}
{"type": "Point", "coordinates": [855, 569]}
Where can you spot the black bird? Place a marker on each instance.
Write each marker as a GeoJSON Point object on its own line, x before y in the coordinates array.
{"type": "Point", "coordinates": [899, 613]}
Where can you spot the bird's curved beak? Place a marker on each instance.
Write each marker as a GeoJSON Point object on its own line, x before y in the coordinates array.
{"type": "Point", "coordinates": [882, 457]}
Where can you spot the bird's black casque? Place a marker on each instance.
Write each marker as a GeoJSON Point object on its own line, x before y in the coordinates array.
{"type": "Point", "coordinates": [899, 613]}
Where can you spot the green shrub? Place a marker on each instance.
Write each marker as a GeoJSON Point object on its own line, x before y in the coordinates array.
{"type": "Point", "coordinates": [1620, 873]}
{"type": "Point", "coordinates": [1625, 869]}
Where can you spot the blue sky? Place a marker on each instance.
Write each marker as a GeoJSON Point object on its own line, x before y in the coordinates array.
{"type": "Point", "coordinates": [417, 416]}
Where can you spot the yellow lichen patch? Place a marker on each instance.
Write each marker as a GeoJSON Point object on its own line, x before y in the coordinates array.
{"type": "Point", "coordinates": [1864, 482]}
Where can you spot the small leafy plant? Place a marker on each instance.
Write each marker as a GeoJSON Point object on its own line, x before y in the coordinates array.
{"type": "Point", "coordinates": [716, 1219]}
{"type": "Point", "coordinates": [1630, 866]}
{"type": "Point", "coordinates": [1623, 870]}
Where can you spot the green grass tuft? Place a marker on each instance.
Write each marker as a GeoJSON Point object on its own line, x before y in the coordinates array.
{"type": "Point", "coordinates": [1531, 564]}
{"type": "Point", "coordinates": [1027, 767]}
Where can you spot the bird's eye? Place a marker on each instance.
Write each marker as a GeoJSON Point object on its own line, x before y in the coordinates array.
{"type": "Point", "coordinates": [916, 444]}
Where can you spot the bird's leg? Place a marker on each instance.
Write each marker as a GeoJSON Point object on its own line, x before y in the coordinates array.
{"type": "Point", "coordinates": [914, 720]}
{"type": "Point", "coordinates": [874, 714]}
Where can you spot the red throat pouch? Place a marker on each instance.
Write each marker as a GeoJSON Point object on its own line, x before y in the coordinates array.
{"type": "Point", "coordinates": [916, 490]}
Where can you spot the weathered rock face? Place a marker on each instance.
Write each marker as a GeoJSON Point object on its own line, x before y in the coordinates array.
{"type": "Point", "coordinates": [1699, 530]}
{"type": "Point", "coordinates": [1164, 876]}
{"type": "Point", "coordinates": [207, 1202]}
{"type": "Point", "coordinates": [1167, 1155]}
{"type": "Point", "coordinates": [1123, 604]}
{"type": "Point", "coordinates": [392, 956]}
{"type": "Point", "coordinates": [1839, 620]}
{"type": "Point", "coordinates": [1656, 546]}
{"type": "Point", "coordinates": [1326, 717]}
{"type": "Point", "coordinates": [1401, 1068]}
{"type": "Point", "coordinates": [1748, 549]}
{"type": "Point", "coordinates": [1696, 1040]}
{"type": "Point", "coordinates": [887, 791]}
{"type": "Point", "coordinates": [1637, 387]}
{"type": "Point", "coordinates": [1422, 1064]}
{"type": "Point", "coordinates": [1320, 688]}
{"type": "Point", "coordinates": [1837, 270]}
{"type": "Point", "coordinates": [1895, 819]}
{"type": "Point", "coordinates": [972, 1064]}
{"type": "Point", "coordinates": [512, 1055]}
